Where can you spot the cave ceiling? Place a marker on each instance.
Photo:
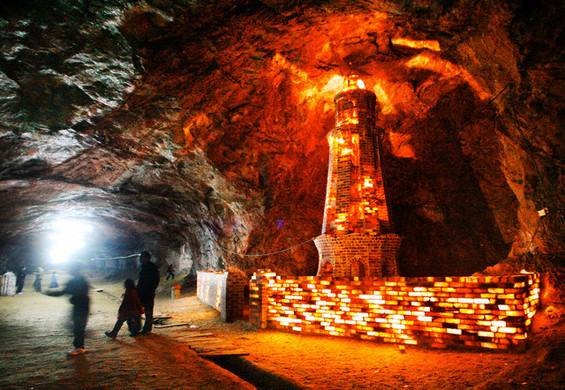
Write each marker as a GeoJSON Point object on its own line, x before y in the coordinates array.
{"type": "Point", "coordinates": [197, 130]}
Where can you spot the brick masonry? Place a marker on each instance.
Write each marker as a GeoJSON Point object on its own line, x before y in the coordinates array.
{"type": "Point", "coordinates": [493, 312]}
{"type": "Point", "coordinates": [224, 291]}
{"type": "Point", "coordinates": [357, 236]}
{"type": "Point", "coordinates": [358, 254]}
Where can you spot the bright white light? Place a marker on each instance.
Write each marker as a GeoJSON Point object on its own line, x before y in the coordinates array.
{"type": "Point", "coordinates": [67, 237]}
{"type": "Point", "coordinates": [62, 251]}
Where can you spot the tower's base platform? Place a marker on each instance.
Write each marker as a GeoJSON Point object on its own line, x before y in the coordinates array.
{"type": "Point", "coordinates": [358, 255]}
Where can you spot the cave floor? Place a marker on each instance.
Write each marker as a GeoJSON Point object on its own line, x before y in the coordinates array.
{"type": "Point", "coordinates": [34, 340]}
{"type": "Point", "coordinates": [35, 337]}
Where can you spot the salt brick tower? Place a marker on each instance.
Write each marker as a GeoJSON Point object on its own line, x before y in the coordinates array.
{"type": "Point", "coordinates": [357, 238]}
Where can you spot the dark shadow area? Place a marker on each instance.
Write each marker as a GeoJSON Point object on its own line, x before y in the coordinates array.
{"type": "Point", "coordinates": [438, 204]}
{"type": "Point", "coordinates": [245, 313]}
{"type": "Point", "coordinates": [253, 374]}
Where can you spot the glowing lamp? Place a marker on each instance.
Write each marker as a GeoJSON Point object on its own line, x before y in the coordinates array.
{"type": "Point", "coordinates": [353, 82]}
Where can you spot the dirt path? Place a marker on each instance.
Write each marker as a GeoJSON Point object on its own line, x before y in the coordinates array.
{"type": "Point", "coordinates": [34, 339]}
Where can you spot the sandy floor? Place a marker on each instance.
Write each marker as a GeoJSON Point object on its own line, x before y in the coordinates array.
{"type": "Point", "coordinates": [34, 339]}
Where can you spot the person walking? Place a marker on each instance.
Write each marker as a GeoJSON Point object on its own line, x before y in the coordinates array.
{"type": "Point", "coordinates": [146, 286]}
{"type": "Point", "coordinates": [20, 279]}
{"type": "Point", "coordinates": [54, 283]}
{"type": "Point", "coordinates": [130, 310]}
{"type": "Point", "coordinates": [77, 287]}
{"type": "Point", "coordinates": [170, 272]}
{"type": "Point", "coordinates": [37, 281]}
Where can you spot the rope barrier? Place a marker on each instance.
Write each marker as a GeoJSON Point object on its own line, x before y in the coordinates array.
{"type": "Point", "coordinates": [224, 249]}
{"type": "Point", "coordinates": [115, 258]}
{"type": "Point", "coordinates": [269, 253]}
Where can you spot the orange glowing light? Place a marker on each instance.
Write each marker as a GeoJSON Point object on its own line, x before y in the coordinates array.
{"type": "Point", "coordinates": [313, 94]}
{"type": "Point", "coordinates": [349, 121]}
{"type": "Point", "coordinates": [333, 85]}
{"type": "Point", "coordinates": [417, 44]}
{"type": "Point", "coordinates": [386, 105]}
{"type": "Point", "coordinates": [198, 121]}
{"type": "Point", "coordinates": [401, 145]}
{"type": "Point", "coordinates": [348, 308]}
{"type": "Point", "coordinates": [447, 69]}
{"type": "Point", "coordinates": [281, 62]}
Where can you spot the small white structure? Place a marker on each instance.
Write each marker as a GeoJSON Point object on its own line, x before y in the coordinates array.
{"type": "Point", "coordinates": [227, 292]}
{"type": "Point", "coordinates": [8, 285]}
{"type": "Point", "coordinates": [211, 289]}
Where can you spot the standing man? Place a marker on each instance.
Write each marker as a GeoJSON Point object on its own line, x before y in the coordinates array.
{"type": "Point", "coordinates": [77, 288]}
{"type": "Point", "coordinates": [146, 286]}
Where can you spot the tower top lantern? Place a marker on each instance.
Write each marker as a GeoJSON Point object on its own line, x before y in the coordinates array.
{"type": "Point", "coordinates": [353, 82]}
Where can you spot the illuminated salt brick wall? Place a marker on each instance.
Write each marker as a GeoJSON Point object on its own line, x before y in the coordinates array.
{"type": "Point", "coordinates": [493, 312]}
{"type": "Point", "coordinates": [224, 291]}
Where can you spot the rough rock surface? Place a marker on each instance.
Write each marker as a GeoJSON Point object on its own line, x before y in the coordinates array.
{"type": "Point", "coordinates": [197, 129]}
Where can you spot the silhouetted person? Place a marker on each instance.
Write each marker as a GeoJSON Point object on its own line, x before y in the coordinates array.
{"type": "Point", "coordinates": [37, 282]}
{"type": "Point", "coordinates": [54, 283]}
{"type": "Point", "coordinates": [130, 310]}
{"type": "Point", "coordinates": [20, 279]}
{"type": "Point", "coordinates": [77, 287]}
{"type": "Point", "coordinates": [146, 286]}
{"type": "Point", "coordinates": [170, 272]}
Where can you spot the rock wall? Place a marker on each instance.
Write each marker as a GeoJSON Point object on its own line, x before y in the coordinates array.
{"type": "Point", "coordinates": [197, 130]}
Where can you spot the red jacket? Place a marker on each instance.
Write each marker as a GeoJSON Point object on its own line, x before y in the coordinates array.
{"type": "Point", "coordinates": [131, 305]}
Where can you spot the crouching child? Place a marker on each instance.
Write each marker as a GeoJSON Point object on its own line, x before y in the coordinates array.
{"type": "Point", "coordinates": [130, 311]}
